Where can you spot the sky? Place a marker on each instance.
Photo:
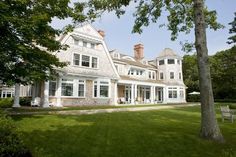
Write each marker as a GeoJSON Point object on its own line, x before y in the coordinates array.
{"type": "Point", "coordinates": [155, 39]}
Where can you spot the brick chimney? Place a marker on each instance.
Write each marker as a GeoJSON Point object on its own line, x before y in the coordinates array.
{"type": "Point", "coordinates": [138, 51]}
{"type": "Point", "coordinates": [102, 33]}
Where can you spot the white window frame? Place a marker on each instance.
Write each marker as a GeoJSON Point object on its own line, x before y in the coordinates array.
{"type": "Point", "coordinates": [83, 83]}
{"type": "Point", "coordinates": [161, 72]}
{"type": "Point", "coordinates": [98, 88]}
{"type": "Point", "coordinates": [172, 90]}
{"type": "Point", "coordinates": [173, 75]}
{"type": "Point", "coordinates": [80, 60]}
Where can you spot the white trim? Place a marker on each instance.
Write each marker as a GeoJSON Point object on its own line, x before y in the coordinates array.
{"type": "Point", "coordinates": [80, 60]}
{"type": "Point", "coordinates": [98, 88]}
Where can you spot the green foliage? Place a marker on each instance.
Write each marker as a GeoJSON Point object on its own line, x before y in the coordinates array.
{"type": "Point", "coordinates": [223, 70]}
{"type": "Point", "coordinates": [232, 30]}
{"type": "Point", "coordinates": [11, 144]}
{"type": "Point", "coordinates": [232, 106]}
{"type": "Point", "coordinates": [6, 102]}
{"type": "Point", "coordinates": [25, 101]}
{"type": "Point", "coordinates": [190, 73]}
{"type": "Point", "coordinates": [27, 40]}
{"type": "Point", "coordinates": [193, 98]}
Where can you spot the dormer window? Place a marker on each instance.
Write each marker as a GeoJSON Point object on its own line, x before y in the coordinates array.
{"type": "Point", "coordinates": [161, 75]}
{"type": "Point", "coordinates": [92, 46]}
{"type": "Point", "coordinates": [116, 55]}
{"type": "Point", "coordinates": [76, 42]}
{"type": "Point", "coordinates": [85, 44]}
{"type": "Point", "coordinates": [171, 61]}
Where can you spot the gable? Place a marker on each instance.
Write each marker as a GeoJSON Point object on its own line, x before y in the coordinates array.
{"type": "Point", "coordinates": [88, 30]}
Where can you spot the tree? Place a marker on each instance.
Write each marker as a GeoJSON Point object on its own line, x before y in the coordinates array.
{"type": "Point", "coordinates": [27, 41]}
{"type": "Point", "coordinates": [183, 16]}
{"type": "Point", "coordinates": [232, 30]}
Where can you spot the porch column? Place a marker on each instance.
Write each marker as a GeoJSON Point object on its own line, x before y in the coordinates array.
{"type": "Point", "coordinates": [132, 94]}
{"type": "Point", "coordinates": [46, 94]}
{"type": "Point", "coordinates": [135, 93]}
{"type": "Point", "coordinates": [17, 95]}
{"type": "Point", "coordinates": [58, 92]}
{"type": "Point", "coordinates": [152, 94]}
{"type": "Point", "coordinates": [165, 95]}
{"type": "Point", "coordinates": [115, 93]}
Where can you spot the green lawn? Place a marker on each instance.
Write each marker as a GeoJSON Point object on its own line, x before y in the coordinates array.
{"type": "Point", "coordinates": [161, 133]}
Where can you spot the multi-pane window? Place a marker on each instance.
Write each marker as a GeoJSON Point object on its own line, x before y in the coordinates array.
{"type": "Point", "coordinates": [92, 46]}
{"type": "Point", "coordinates": [161, 62]}
{"type": "Point", "coordinates": [172, 75]}
{"type": "Point", "coordinates": [172, 92]}
{"type": "Point", "coordinates": [85, 44]}
{"type": "Point", "coordinates": [181, 94]}
{"type": "Point", "coordinates": [85, 61]}
{"type": "Point", "coordinates": [52, 88]}
{"type": "Point", "coordinates": [81, 88]}
{"type": "Point", "coordinates": [101, 89]}
{"type": "Point", "coordinates": [161, 75]}
{"type": "Point", "coordinates": [150, 74]}
{"type": "Point", "coordinates": [171, 61]}
{"type": "Point", "coordinates": [94, 62]}
{"type": "Point", "coordinates": [67, 87]}
{"type": "Point", "coordinates": [76, 59]}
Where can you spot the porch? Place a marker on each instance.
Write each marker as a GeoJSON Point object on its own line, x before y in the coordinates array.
{"type": "Point", "coordinates": [139, 94]}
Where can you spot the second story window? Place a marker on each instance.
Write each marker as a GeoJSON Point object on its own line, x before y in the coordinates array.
{"type": "Point", "coordinates": [92, 46]}
{"type": "Point", "coordinates": [76, 59]}
{"type": "Point", "coordinates": [161, 76]}
{"type": "Point", "coordinates": [150, 74]}
{"type": "Point", "coordinates": [171, 61]}
{"type": "Point", "coordinates": [180, 76]}
{"type": "Point", "coordinates": [94, 62]}
{"type": "Point", "coordinates": [85, 61]}
{"type": "Point", "coordinates": [161, 62]}
{"type": "Point", "coordinates": [85, 44]}
{"type": "Point", "coordinates": [172, 75]}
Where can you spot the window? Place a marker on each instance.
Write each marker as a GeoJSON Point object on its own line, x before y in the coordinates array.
{"type": "Point", "coordinates": [180, 76]}
{"type": "Point", "coordinates": [153, 75]}
{"type": "Point", "coordinates": [94, 62]}
{"type": "Point", "coordinates": [178, 61]}
{"type": "Point", "coordinates": [101, 89]}
{"type": "Point", "coordinates": [172, 92]}
{"type": "Point", "coordinates": [161, 62]}
{"type": "Point", "coordinates": [149, 74]}
{"type": "Point", "coordinates": [132, 72]}
{"type": "Point", "coordinates": [141, 72]}
{"type": "Point", "coordinates": [85, 44]}
{"type": "Point", "coordinates": [92, 46]}
{"type": "Point", "coordinates": [181, 94]}
{"type": "Point", "coordinates": [171, 61]}
{"type": "Point", "coordinates": [76, 60]}
{"type": "Point", "coordinates": [161, 76]}
{"type": "Point", "coordinates": [81, 88]}
{"type": "Point", "coordinates": [76, 42]}
{"type": "Point", "coordinates": [52, 88]}
{"type": "Point", "coordinates": [85, 61]}
{"type": "Point", "coordinates": [172, 75]}
{"type": "Point", "coordinates": [67, 87]}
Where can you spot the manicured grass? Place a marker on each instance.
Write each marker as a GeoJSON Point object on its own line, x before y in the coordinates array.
{"type": "Point", "coordinates": [161, 133]}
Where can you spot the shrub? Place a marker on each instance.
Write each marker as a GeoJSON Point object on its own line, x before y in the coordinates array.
{"type": "Point", "coordinates": [193, 98]}
{"type": "Point", "coordinates": [25, 101]}
{"type": "Point", "coordinates": [6, 102]}
{"type": "Point", "coordinates": [232, 106]}
{"type": "Point", "coordinates": [11, 144]}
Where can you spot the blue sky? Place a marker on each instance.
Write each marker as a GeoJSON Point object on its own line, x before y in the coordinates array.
{"type": "Point", "coordinates": [155, 39]}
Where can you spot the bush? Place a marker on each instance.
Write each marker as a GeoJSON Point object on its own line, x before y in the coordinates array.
{"type": "Point", "coordinates": [25, 101]}
{"type": "Point", "coordinates": [11, 144]}
{"type": "Point", "coordinates": [232, 106]}
{"type": "Point", "coordinates": [226, 100]}
{"type": "Point", "coordinates": [193, 98]}
{"type": "Point", "coordinates": [6, 102]}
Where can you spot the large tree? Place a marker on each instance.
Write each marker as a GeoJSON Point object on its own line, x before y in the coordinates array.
{"type": "Point", "coordinates": [27, 41]}
{"type": "Point", "coordinates": [183, 16]}
{"type": "Point", "coordinates": [232, 30]}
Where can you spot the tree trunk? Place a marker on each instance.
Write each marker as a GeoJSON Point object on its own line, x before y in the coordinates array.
{"type": "Point", "coordinates": [17, 96]}
{"type": "Point", "coordinates": [209, 126]}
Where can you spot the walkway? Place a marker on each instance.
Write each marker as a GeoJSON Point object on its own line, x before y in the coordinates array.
{"type": "Point", "coordinates": [125, 109]}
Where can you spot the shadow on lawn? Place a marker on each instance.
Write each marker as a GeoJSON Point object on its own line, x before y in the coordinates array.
{"type": "Point", "coordinates": [137, 134]}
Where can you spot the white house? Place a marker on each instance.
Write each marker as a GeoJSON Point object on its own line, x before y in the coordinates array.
{"type": "Point", "coordinates": [95, 76]}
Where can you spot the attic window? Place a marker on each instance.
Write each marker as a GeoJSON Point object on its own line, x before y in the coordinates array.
{"type": "Point", "coordinates": [171, 61]}
{"type": "Point", "coordinates": [161, 62]}
{"type": "Point", "coordinates": [116, 55]}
